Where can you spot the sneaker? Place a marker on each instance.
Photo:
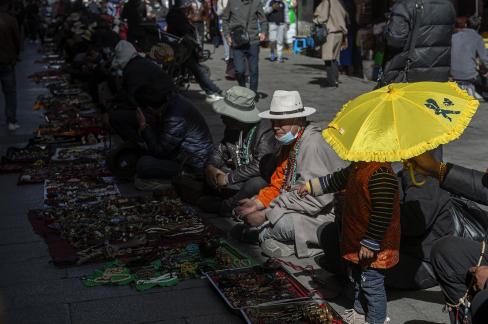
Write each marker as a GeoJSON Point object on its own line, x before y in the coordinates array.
{"type": "Point", "coordinates": [281, 60]}
{"type": "Point", "coordinates": [276, 249]}
{"type": "Point", "coordinates": [151, 184]}
{"type": "Point", "coordinates": [353, 317]}
{"type": "Point", "coordinates": [214, 97]}
{"type": "Point", "coordinates": [13, 126]}
{"type": "Point", "coordinates": [272, 58]}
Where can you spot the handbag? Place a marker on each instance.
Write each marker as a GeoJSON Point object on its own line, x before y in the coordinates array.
{"type": "Point", "coordinates": [403, 75]}
{"type": "Point", "coordinates": [470, 221]}
{"type": "Point", "coordinates": [239, 34]}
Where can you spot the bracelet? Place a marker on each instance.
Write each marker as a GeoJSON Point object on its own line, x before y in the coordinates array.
{"type": "Point", "coordinates": [442, 171]}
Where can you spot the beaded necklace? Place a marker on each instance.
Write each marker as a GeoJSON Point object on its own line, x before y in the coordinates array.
{"type": "Point", "coordinates": [291, 165]}
{"type": "Point", "coordinates": [243, 156]}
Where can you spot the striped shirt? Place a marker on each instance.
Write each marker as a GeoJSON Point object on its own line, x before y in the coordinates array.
{"type": "Point", "coordinates": [382, 188]}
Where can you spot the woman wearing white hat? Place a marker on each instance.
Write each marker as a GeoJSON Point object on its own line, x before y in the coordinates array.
{"type": "Point", "coordinates": [286, 221]}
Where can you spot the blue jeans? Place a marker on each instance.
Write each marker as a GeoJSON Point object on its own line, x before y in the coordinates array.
{"type": "Point", "coordinates": [202, 77]}
{"type": "Point", "coordinates": [251, 54]}
{"type": "Point", "coordinates": [9, 87]}
{"type": "Point", "coordinates": [370, 293]}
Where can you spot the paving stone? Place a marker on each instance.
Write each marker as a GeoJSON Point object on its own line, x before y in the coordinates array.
{"type": "Point", "coordinates": [15, 235]}
{"type": "Point", "coordinates": [34, 270]}
{"type": "Point", "coordinates": [152, 307]}
{"type": "Point", "coordinates": [46, 314]}
{"type": "Point", "coordinates": [215, 319]}
{"type": "Point", "coordinates": [21, 252]}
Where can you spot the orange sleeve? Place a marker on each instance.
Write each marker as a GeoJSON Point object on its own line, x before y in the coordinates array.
{"type": "Point", "coordinates": [271, 191]}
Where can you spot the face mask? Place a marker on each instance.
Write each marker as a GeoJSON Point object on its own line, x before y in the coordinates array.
{"type": "Point", "coordinates": [287, 138]}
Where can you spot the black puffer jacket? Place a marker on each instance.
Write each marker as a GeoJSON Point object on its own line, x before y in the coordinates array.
{"type": "Point", "coordinates": [225, 155]}
{"type": "Point", "coordinates": [182, 134]}
{"type": "Point", "coordinates": [432, 54]}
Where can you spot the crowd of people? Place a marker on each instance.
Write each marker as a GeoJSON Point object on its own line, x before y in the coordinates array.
{"type": "Point", "coordinates": [272, 171]}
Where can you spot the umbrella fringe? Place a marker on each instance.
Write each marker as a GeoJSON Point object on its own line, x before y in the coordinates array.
{"type": "Point", "coordinates": [416, 150]}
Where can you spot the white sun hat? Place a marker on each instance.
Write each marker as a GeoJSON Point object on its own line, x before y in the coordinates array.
{"type": "Point", "coordinates": [286, 105]}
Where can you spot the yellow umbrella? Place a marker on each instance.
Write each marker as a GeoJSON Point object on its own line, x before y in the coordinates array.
{"type": "Point", "coordinates": [400, 121]}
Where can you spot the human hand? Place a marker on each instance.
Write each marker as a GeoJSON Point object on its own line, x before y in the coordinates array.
{"type": "Point", "coordinates": [262, 37]}
{"type": "Point", "coordinates": [221, 179]}
{"type": "Point", "coordinates": [229, 40]}
{"type": "Point", "coordinates": [345, 43]}
{"type": "Point", "coordinates": [480, 275]}
{"type": "Point", "coordinates": [141, 119]}
{"type": "Point", "coordinates": [275, 6]}
{"type": "Point", "coordinates": [426, 164]}
{"type": "Point", "coordinates": [301, 190]}
{"type": "Point", "coordinates": [366, 255]}
{"type": "Point", "coordinates": [211, 175]}
{"type": "Point", "coordinates": [255, 219]}
{"type": "Point", "coordinates": [246, 206]}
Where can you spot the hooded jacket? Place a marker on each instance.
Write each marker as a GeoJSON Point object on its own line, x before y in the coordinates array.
{"type": "Point", "coordinates": [432, 54]}
{"type": "Point", "coordinates": [137, 70]}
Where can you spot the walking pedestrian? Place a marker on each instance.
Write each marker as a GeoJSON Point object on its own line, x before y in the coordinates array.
{"type": "Point", "coordinates": [9, 51]}
{"type": "Point", "coordinates": [292, 26]}
{"type": "Point", "coordinates": [245, 25]}
{"type": "Point", "coordinates": [332, 15]}
{"type": "Point", "coordinates": [198, 14]}
{"type": "Point", "coordinates": [278, 19]}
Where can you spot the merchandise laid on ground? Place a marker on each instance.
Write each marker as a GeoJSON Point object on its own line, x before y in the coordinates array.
{"type": "Point", "coordinates": [146, 242]}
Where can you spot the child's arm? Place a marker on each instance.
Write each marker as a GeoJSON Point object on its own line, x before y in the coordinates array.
{"type": "Point", "coordinates": [330, 183]}
{"type": "Point", "coordinates": [383, 187]}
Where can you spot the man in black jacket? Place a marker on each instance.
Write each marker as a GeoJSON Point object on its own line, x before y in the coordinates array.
{"type": "Point", "coordinates": [9, 51]}
{"type": "Point", "coordinates": [460, 265]}
{"type": "Point", "coordinates": [234, 165]}
{"type": "Point", "coordinates": [172, 129]}
{"type": "Point", "coordinates": [431, 41]}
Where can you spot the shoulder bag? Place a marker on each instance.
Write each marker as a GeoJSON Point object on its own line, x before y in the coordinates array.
{"type": "Point", "coordinates": [239, 34]}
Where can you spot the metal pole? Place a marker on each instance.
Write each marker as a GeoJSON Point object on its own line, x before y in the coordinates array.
{"type": "Point", "coordinates": [476, 6]}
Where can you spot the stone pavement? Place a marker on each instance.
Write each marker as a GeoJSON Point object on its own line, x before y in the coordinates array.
{"type": "Point", "coordinates": [34, 291]}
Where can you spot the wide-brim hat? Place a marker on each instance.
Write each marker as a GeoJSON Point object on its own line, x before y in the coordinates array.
{"type": "Point", "coordinates": [239, 103]}
{"type": "Point", "coordinates": [286, 105]}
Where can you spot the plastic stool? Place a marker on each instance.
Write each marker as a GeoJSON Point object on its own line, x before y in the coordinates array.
{"type": "Point", "coordinates": [299, 44]}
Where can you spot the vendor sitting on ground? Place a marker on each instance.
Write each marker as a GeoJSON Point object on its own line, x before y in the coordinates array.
{"type": "Point", "coordinates": [173, 130]}
{"type": "Point", "coordinates": [459, 261]}
{"type": "Point", "coordinates": [136, 70]}
{"type": "Point", "coordinates": [278, 217]}
{"type": "Point", "coordinates": [234, 165]}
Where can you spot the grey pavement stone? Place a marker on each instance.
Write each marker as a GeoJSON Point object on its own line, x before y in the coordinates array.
{"type": "Point", "coordinates": [28, 272]}
{"type": "Point", "coordinates": [21, 252]}
{"type": "Point", "coordinates": [215, 319]}
{"type": "Point", "coordinates": [46, 314]}
{"type": "Point", "coordinates": [171, 321]}
{"type": "Point", "coordinates": [150, 307]}
{"type": "Point", "coordinates": [15, 235]}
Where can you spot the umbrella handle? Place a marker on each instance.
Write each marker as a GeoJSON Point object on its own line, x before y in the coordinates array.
{"type": "Point", "coordinates": [412, 176]}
